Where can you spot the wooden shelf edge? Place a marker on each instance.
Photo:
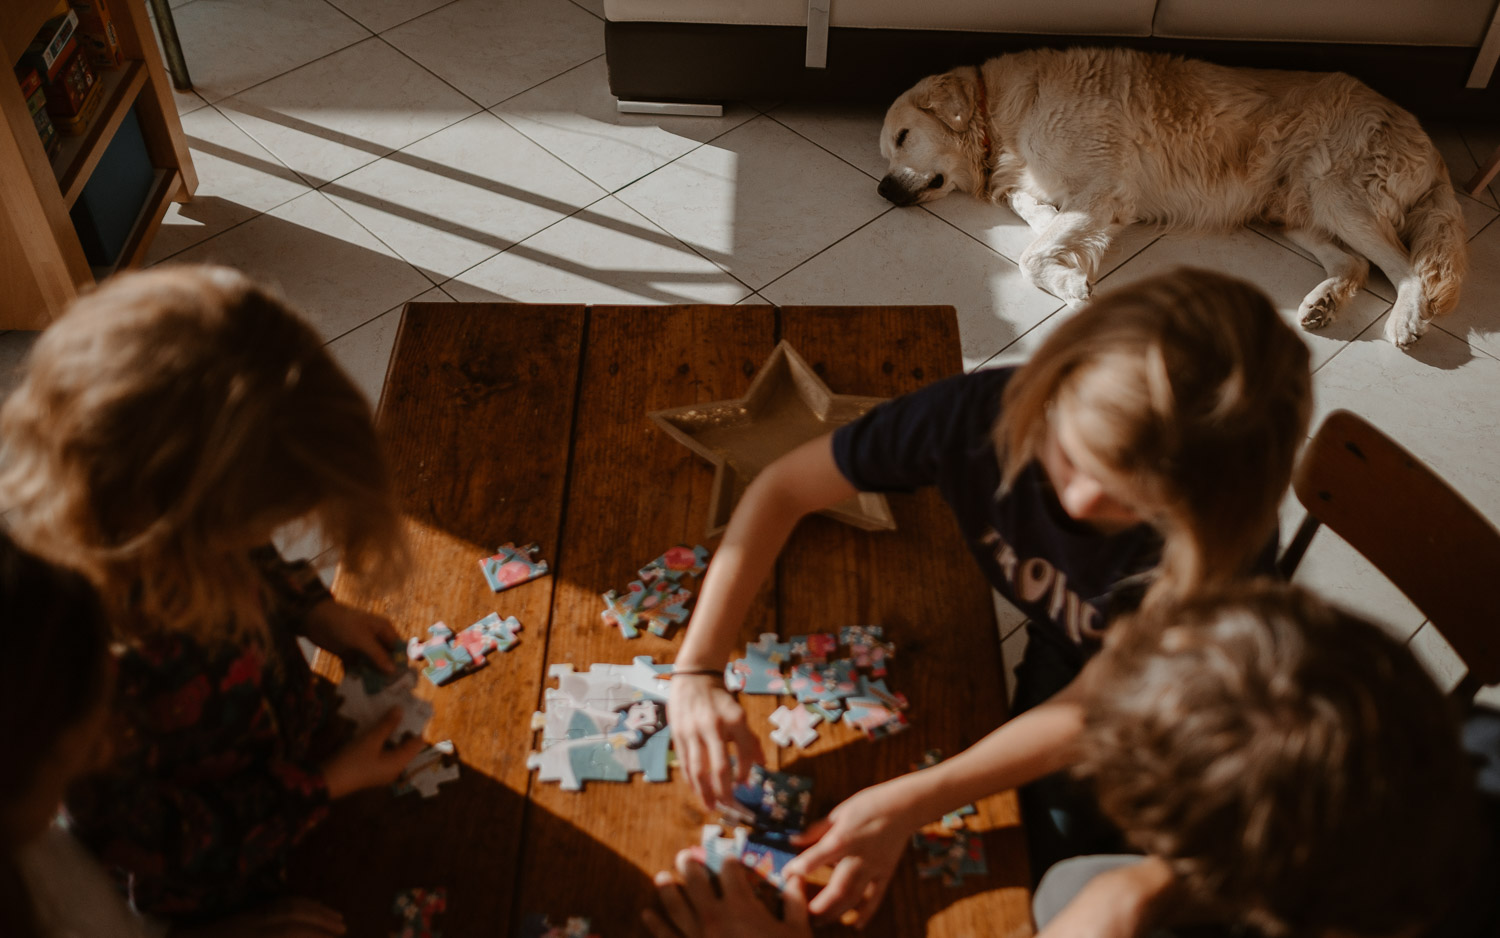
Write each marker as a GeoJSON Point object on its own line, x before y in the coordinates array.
{"type": "Point", "coordinates": [163, 185]}
{"type": "Point", "coordinates": [120, 91]}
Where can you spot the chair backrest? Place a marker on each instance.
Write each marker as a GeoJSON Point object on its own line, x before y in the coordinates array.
{"type": "Point", "coordinates": [1426, 539]}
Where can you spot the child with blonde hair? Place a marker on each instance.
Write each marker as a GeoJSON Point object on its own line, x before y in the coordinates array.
{"type": "Point", "coordinates": [163, 430]}
{"type": "Point", "coordinates": [1139, 456]}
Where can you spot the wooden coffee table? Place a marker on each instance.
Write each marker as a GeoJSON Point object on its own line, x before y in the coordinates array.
{"type": "Point", "coordinates": [527, 423]}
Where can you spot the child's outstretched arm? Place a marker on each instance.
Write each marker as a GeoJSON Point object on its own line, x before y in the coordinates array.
{"type": "Point", "coordinates": [863, 838]}
{"type": "Point", "coordinates": [704, 716]}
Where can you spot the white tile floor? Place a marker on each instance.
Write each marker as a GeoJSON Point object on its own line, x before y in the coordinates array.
{"type": "Point", "coordinates": [363, 153]}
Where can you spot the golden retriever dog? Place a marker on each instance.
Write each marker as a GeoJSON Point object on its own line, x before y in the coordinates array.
{"type": "Point", "coordinates": [1082, 142]}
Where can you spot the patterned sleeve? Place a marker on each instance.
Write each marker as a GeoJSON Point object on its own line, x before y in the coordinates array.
{"type": "Point", "coordinates": [296, 583]}
{"type": "Point", "coordinates": [213, 781]}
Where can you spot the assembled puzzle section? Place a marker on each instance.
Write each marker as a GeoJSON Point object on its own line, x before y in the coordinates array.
{"type": "Point", "coordinates": [660, 598]}
{"type": "Point", "coordinates": [604, 724]}
{"type": "Point", "coordinates": [768, 810]}
{"type": "Point", "coordinates": [828, 689]}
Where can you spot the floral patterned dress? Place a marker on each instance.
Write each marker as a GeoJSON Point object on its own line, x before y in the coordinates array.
{"type": "Point", "coordinates": [216, 770]}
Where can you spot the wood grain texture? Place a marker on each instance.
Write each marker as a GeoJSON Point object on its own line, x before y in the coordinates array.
{"type": "Point", "coordinates": [633, 493]}
{"type": "Point", "coordinates": [528, 423]}
{"type": "Point", "coordinates": [476, 416]}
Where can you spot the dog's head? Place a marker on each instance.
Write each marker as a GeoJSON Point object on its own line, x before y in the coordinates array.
{"type": "Point", "coordinates": [924, 140]}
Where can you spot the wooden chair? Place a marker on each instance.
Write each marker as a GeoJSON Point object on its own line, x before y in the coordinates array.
{"type": "Point", "coordinates": [1430, 542]}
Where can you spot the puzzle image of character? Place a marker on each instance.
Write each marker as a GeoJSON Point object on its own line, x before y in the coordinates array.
{"type": "Point", "coordinates": [512, 566]}
{"type": "Point", "coordinates": [639, 721]}
{"type": "Point", "coordinates": [604, 724]}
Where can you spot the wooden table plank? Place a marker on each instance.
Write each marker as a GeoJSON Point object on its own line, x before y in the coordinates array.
{"type": "Point", "coordinates": [476, 415]}
{"type": "Point", "coordinates": [921, 585]}
{"type": "Point", "coordinates": [633, 492]}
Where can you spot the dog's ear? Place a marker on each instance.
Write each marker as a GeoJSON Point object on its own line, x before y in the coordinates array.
{"type": "Point", "coordinates": [950, 98]}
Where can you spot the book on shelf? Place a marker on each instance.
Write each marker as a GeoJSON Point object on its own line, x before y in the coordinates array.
{"type": "Point", "coordinates": [48, 49]}
{"type": "Point", "coordinates": [96, 33]}
{"type": "Point", "coordinates": [36, 103]}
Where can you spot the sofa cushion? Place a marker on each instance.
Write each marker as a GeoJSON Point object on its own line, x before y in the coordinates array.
{"type": "Point", "coordinates": [1080, 17]}
{"type": "Point", "coordinates": [1400, 22]}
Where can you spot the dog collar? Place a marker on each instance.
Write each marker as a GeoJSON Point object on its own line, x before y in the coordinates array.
{"type": "Point", "coordinates": [984, 120]}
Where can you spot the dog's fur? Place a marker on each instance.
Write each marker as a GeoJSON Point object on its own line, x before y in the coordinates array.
{"type": "Point", "coordinates": [1085, 141]}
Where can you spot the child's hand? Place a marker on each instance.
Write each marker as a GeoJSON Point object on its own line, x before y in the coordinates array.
{"type": "Point", "coordinates": [284, 918]}
{"type": "Point", "coordinates": [348, 632]}
{"type": "Point", "coordinates": [366, 762]}
{"type": "Point", "coordinates": [695, 910]}
{"type": "Point", "coordinates": [704, 717]}
{"type": "Point", "coordinates": [862, 839]}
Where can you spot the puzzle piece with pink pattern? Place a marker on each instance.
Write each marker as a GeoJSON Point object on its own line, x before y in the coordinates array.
{"type": "Point", "coordinates": [867, 647]}
{"type": "Point", "coordinates": [512, 566]}
{"type": "Point", "coordinates": [658, 605]}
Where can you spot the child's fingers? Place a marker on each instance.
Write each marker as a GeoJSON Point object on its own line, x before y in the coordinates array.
{"type": "Point", "coordinates": [845, 888]}
{"type": "Point", "coordinates": [675, 904]}
{"type": "Point", "coordinates": [794, 905]}
{"type": "Point", "coordinates": [816, 851]}
{"type": "Point", "coordinates": [696, 882]}
{"type": "Point", "coordinates": [407, 751]}
{"type": "Point", "coordinates": [734, 878]}
{"type": "Point", "coordinates": [720, 774]}
{"type": "Point", "coordinates": [657, 926]}
{"type": "Point", "coordinates": [747, 744]}
{"type": "Point", "coordinates": [865, 910]}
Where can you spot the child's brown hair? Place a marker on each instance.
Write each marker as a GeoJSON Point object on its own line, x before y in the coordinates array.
{"type": "Point", "coordinates": [1191, 386]}
{"type": "Point", "coordinates": [1293, 764]}
{"type": "Point", "coordinates": [172, 420]}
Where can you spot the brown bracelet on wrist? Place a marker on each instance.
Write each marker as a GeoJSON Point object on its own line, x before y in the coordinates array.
{"type": "Point", "coordinates": [697, 672]}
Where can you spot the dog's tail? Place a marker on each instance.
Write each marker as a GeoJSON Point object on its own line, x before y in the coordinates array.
{"type": "Point", "coordinates": [1434, 232]}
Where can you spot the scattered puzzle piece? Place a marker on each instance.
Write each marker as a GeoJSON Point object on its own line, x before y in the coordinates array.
{"type": "Point", "coordinates": [876, 710]}
{"type": "Point", "coordinates": [489, 634]}
{"type": "Point", "coordinates": [826, 685]}
{"type": "Point", "coordinates": [676, 563]}
{"type": "Point", "coordinates": [445, 660]}
{"type": "Point", "coordinates": [428, 769]}
{"type": "Point", "coordinates": [795, 725]}
{"type": "Point", "coordinates": [512, 566]}
{"type": "Point", "coordinates": [658, 605]}
{"type": "Point", "coordinates": [951, 855]}
{"type": "Point", "coordinates": [540, 926]}
{"type": "Point", "coordinates": [718, 848]}
{"type": "Point", "coordinates": [766, 860]}
{"type": "Point", "coordinates": [759, 672]}
{"type": "Point", "coordinates": [417, 908]}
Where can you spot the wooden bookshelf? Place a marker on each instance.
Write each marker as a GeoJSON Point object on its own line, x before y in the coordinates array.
{"type": "Point", "coordinates": [41, 260]}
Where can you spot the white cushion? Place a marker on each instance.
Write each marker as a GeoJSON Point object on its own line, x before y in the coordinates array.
{"type": "Point", "coordinates": [1400, 22]}
{"type": "Point", "coordinates": [1067, 17]}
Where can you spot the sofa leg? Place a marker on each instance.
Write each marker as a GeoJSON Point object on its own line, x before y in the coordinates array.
{"type": "Point", "coordinates": [667, 107]}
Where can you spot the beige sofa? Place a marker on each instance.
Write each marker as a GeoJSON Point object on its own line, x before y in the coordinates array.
{"type": "Point", "coordinates": [1433, 56]}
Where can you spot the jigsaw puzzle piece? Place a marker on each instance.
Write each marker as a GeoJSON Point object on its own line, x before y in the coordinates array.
{"type": "Point", "coordinates": [417, 908]}
{"type": "Point", "coordinates": [795, 725]}
{"type": "Point", "coordinates": [876, 710]}
{"type": "Point", "coordinates": [951, 855]}
{"type": "Point", "coordinates": [718, 848]}
{"type": "Point", "coordinates": [814, 648]}
{"type": "Point", "coordinates": [676, 563]}
{"type": "Point", "coordinates": [490, 634]}
{"type": "Point", "coordinates": [428, 769]}
{"type": "Point", "coordinates": [540, 926]}
{"type": "Point", "coordinates": [826, 685]}
{"type": "Point", "coordinates": [512, 566]}
{"type": "Point", "coordinates": [767, 861]}
{"type": "Point", "coordinates": [776, 800]}
{"type": "Point", "coordinates": [867, 647]}
{"type": "Point", "coordinates": [374, 680]}
{"type": "Point", "coordinates": [445, 660]}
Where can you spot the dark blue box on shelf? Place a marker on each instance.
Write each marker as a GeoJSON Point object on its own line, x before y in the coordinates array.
{"type": "Point", "coordinates": [112, 199]}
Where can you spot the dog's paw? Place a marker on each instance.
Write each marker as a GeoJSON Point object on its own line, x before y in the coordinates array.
{"type": "Point", "coordinates": [1404, 329]}
{"type": "Point", "coordinates": [1315, 314]}
{"type": "Point", "coordinates": [1321, 306]}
